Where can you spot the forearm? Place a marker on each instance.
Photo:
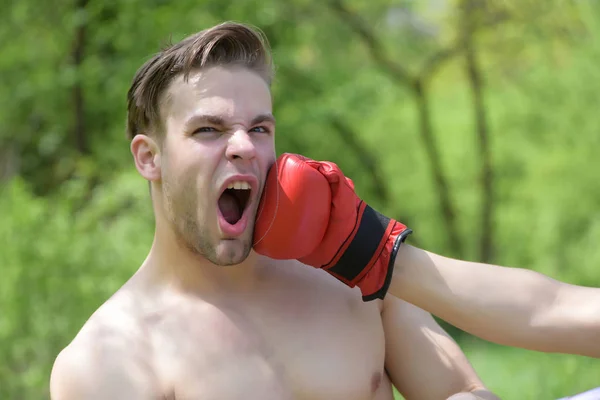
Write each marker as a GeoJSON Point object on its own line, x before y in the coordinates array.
{"type": "Point", "coordinates": [573, 322]}
{"type": "Point", "coordinates": [509, 306]}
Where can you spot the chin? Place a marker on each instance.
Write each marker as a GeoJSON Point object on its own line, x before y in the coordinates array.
{"type": "Point", "coordinates": [232, 252]}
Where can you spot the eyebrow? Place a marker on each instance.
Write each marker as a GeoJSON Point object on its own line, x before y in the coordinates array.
{"type": "Point", "coordinates": [211, 119]}
{"type": "Point", "coordinates": [220, 121]}
{"type": "Point", "coordinates": [268, 117]}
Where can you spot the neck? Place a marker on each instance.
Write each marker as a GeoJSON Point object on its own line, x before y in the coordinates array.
{"type": "Point", "coordinates": [171, 264]}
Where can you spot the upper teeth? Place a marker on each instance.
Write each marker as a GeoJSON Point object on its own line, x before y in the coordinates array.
{"type": "Point", "coordinates": [239, 185]}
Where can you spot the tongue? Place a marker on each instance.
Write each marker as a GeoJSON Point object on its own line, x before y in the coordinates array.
{"type": "Point", "coordinates": [230, 208]}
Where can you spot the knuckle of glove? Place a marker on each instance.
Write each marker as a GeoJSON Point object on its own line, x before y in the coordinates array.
{"type": "Point", "coordinates": [295, 208]}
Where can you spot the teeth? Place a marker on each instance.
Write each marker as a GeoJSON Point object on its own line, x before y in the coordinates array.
{"type": "Point", "coordinates": [239, 185]}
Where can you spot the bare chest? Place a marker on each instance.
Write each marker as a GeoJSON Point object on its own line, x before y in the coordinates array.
{"type": "Point", "coordinates": [278, 346]}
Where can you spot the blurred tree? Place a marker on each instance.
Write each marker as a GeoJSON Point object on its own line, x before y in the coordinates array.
{"type": "Point", "coordinates": [471, 21]}
{"type": "Point", "coordinates": [418, 84]}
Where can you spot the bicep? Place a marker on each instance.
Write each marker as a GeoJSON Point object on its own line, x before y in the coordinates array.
{"type": "Point", "coordinates": [99, 373]}
{"type": "Point", "coordinates": [423, 361]}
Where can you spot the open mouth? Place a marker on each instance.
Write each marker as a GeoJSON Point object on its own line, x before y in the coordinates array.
{"type": "Point", "coordinates": [234, 200]}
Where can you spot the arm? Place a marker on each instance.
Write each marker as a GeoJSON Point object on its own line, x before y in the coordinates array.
{"type": "Point", "coordinates": [423, 361]}
{"type": "Point", "coordinates": [509, 306]}
{"type": "Point", "coordinates": [96, 371]}
{"type": "Point", "coordinates": [340, 233]}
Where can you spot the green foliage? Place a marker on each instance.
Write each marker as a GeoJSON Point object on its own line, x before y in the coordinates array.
{"type": "Point", "coordinates": [75, 225]}
{"type": "Point", "coordinates": [60, 262]}
{"type": "Point", "coordinates": [519, 374]}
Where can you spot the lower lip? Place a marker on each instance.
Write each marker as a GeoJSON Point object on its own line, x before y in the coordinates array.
{"type": "Point", "coordinates": [236, 229]}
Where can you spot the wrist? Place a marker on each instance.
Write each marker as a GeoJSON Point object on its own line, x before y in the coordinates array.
{"type": "Point", "coordinates": [384, 264]}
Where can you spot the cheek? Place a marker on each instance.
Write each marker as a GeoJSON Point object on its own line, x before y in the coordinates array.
{"type": "Point", "coordinates": [201, 192]}
{"type": "Point", "coordinates": [184, 189]}
{"type": "Point", "coordinates": [267, 155]}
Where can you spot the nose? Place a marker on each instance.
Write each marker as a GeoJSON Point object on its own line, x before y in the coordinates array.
{"type": "Point", "coordinates": [240, 146]}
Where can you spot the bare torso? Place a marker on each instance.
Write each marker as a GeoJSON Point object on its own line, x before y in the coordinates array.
{"type": "Point", "coordinates": [296, 334]}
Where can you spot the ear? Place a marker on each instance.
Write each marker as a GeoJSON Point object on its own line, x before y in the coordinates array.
{"type": "Point", "coordinates": [146, 154]}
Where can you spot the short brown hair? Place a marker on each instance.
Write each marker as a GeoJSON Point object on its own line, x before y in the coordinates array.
{"type": "Point", "coordinates": [226, 44]}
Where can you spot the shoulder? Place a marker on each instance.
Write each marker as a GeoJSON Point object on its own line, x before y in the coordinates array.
{"type": "Point", "coordinates": [317, 284]}
{"type": "Point", "coordinates": [85, 370]}
{"type": "Point", "coordinates": [108, 358]}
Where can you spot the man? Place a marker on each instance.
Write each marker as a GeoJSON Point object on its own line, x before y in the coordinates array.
{"type": "Point", "coordinates": [206, 317]}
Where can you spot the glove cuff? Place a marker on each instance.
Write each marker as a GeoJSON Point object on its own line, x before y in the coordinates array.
{"type": "Point", "coordinates": [374, 242]}
{"type": "Point", "coordinates": [389, 271]}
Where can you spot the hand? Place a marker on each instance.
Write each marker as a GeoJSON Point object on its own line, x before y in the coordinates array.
{"type": "Point", "coordinates": [476, 395]}
{"type": "Point", "coordinates": [309, 211]}
{"type": "Point", "coordinates": [463, 396]}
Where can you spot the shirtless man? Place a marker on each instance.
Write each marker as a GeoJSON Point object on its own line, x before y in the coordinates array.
{"type": "Point", "coordinates": [205, 317]}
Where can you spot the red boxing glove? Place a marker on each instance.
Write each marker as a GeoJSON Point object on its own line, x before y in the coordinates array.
{"type": "Point", "coordinates": [309, 211]}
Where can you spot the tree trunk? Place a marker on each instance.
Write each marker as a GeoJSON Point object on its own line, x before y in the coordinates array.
{"type": "Point", "coordinates": [9, 162]}
{"type": "Point", "coordinates": [79, 132]}
{"type": "Point", "coordinates": [426, 133]}
{"type": "Point", "coordinates": [482, 130]}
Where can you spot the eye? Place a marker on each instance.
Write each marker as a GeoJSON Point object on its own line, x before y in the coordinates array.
{"type": "Point", "coordinates": [261, 129]}
{"type": "Point", "coordinates": [205, 129]}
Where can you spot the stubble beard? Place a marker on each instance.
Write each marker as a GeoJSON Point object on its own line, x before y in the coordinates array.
{"type": "Point", "coordinates": [198, 241]}
{"type": "Point", "coordinates": [183, 211]}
